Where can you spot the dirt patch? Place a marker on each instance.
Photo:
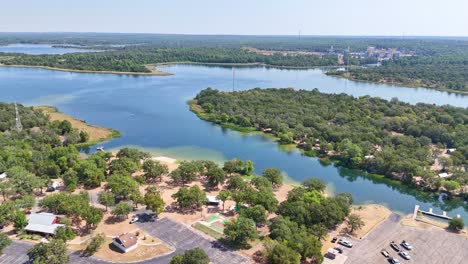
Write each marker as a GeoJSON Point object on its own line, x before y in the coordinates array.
{"type": "Point", "coordinates": [109, 252]}
{"type": "Point", "coordinates": [96, 133]}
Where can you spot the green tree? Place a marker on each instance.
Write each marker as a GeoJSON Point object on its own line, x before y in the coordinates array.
{"type": "Point", "coordinates": [286, 138]}
{"type": "Point", "coordinates": [124, 166]}
{"type": "Point", "coordinates": [186, 172]}
{"type": "Point", "coordinates": [122, 209]}
{"type": "Point", "coordinates": [95, 244]}
{"type": "Point", "coordinates": [23, 181]}
{"type": "Point", "coordinates": [274, 176]}
{"type": "Point", "coordinates": [154, 169]}
{"type": "Point", "coordinates": [456, 224]}
{"type": "Point", "coordinates": [64, 233]}
{"type": "Point", "coordinates": [191, 256]}
{"type": "Point", "coordinates": [107, 199]}
{"type": "Point", "coordinates": [92, 216]}
{"type": "Point", "coordinates": [192, 197]}
{"type": "Point", "coordinates": [354, 222]}
{"type": "Point", "coordinates": [19, 220]}
{"type": "Point", "coordinates": [54, 252]}
{"type": "Point", "coordinates": [84, 136]}
{"type": "Point", "coordinates": [281, 254]}
{"type": "Point", "coordinates": [223, 196]}
{"type": "Point", "coordinates": [314, 184]}
{"type": "Point", "coordinates": [133, 154]}
{"type": "Point", "coordinates": [65, 127]}
{"type": "Point", "coordinates": [240, 231]}
{"type": "Point", "coordinates": [257, 213]}
{"type": "Point", "coordinates": [154, 202]}
{"type": "Point", "coordinates": [234, 166]}
{"type": "Point", "coordinates": [215, 176]}
{"type": "Point", "coordinates": [122, 185]}
{"type": "Point", "coordinates": [248, 167]}
{"type": "Point", "coordinates": [4, 242]}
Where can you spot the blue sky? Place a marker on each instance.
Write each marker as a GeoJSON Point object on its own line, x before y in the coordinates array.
{"type": "Point", "coordinates": [266, 17]}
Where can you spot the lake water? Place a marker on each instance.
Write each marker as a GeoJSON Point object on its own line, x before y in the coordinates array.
{"type": "Point", "coordinates": [37, 49]}
{"type": "Point", "coordinates": [151, 112]}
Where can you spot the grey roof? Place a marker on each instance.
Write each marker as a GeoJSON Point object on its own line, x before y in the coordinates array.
{"type": "Point", "coordinates": [42, 222]}
{"type": "Point", "coordinates": [46, 229]}
{"type": "Point", "coordinates": [41, 218]}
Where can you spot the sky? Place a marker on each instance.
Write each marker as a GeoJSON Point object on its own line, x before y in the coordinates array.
{"type": "Point", "coordinates": [241, 17]}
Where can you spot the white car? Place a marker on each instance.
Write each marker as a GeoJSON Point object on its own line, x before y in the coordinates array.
{"type": "Point", "coordinates": [406, 245]}
{"type": "Point", "coordinates": [405, 255]}
{"type": "Point", "coordinates": [134, 220]}
{"type": "Point", "coordinates": [345, 243]}
{"type": "Point", "coordinates": [394, 260]}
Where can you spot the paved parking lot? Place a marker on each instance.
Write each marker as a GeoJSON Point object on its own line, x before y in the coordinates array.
{"type": "Point", "coordinates": [182, 238]}
{"type": "Point", "coordinates": [169, 231]}
{"type": "Point", "coordinates": [429, 246]}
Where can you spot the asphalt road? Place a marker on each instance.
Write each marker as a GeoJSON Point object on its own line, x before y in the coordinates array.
{"type": "Point", "coordinates": [429, 246]}
{"type": "Point", "coordinates": [175, 234]}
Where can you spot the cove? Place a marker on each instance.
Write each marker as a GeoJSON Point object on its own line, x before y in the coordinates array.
{"type": "Point", "coordinates": [152, 113]}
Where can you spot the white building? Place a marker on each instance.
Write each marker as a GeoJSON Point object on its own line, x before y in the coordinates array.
{"type": "Point", "coordinates": [44, 223]}
{"type": "Point", "coordinates": [126, 242]}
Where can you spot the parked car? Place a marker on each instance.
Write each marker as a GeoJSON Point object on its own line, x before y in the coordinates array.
{"type": "Point", "coordinates": [385, 253]}
{"type": "Point", "coordinates": [340, 250]}
{"type": "Point", "coordinates": [405, 255]}
{"type": "Point", "coordinates": [394, 246]}
{"type": "Point", "coordinates": [406, 245]}
{"type": "Point", "coordinates": [334, 239]}
{"type": "Point", "coordinates": [134, 220]}
{"type": "Point", "coordinates": [345, 243]}
{"type": "Point", "coordinates": [393, 260]}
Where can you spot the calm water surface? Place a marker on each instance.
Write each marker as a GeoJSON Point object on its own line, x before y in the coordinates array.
{"type": "Point", "coordinates": [152, 113]}
{"type": "Point", "coordinates": [37, 49]}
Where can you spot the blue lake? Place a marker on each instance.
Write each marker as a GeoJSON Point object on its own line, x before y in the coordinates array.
{"type": "Point", "coordinates": [151, 112]}
{"type": "Point", "coordinates": [38, 49]}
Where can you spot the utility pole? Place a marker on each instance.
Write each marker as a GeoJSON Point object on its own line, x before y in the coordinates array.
{"type": "Point", "coordinates": [19, 126]}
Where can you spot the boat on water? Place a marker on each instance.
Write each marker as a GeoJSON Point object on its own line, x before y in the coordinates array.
{"type": "Point", "coordinates": [100, 148]}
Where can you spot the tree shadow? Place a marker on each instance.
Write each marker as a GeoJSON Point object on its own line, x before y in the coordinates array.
{"type": "Point", "coordinates": [114, 220]}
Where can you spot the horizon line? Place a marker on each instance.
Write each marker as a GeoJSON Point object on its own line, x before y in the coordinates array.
{"type": "Point", "coordinates": [221, 34]}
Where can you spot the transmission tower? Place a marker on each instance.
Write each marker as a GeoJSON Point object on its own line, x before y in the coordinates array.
{"type": "Point", "coordinates": [19, 126]}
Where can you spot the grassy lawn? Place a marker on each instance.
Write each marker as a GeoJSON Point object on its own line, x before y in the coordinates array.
{"type": "Point", "coordinates": [207, 230]}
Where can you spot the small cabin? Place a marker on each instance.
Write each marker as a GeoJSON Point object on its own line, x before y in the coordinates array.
{"type": "Point", "coordinates": [444, 175]}
{"type": "Point", "coordinates": [126, 242]}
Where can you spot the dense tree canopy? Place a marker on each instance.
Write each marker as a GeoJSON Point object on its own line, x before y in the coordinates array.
{"type": "Point", "coordinates": [390, 138]}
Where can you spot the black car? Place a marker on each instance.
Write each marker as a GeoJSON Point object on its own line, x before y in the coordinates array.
{"type": "Point", "coordinates": [340, 250]}
{"type": "Point", "coordinates": [394, 246]}
{"type": "Point", "coordinates": [334, 239]}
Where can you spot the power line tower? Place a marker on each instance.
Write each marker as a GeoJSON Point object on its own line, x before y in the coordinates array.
{"type": "Point", "coordinates": [19, 126]}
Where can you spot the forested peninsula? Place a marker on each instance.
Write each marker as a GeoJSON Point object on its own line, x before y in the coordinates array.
{"type": "Point", "coordinates": [391, 138]}
{"type": "Point", "coordinates": [135, 59]}
{"type": "Point", "coordinates": [444, 73]}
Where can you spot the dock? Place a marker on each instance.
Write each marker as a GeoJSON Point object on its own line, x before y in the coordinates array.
{"type": "Point", "coordinates": [431, 213]}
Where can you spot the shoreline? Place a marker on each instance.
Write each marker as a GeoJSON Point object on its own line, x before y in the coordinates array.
{"type": "Point", "coordinates": [196, 109]}
{"type": "Point", "coordinates": [405, 85]}
{"type": "Point", "coordinates": [154, 71]}
{"type": "Point", "coordinates": [97, 134]}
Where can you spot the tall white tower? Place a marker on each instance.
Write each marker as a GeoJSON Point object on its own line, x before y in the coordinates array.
{"type": "Point", "coordinates": [19, 126]}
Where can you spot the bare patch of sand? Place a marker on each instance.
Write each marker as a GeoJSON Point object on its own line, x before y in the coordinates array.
{"type": "Point", "coordinates": [95, 133]}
